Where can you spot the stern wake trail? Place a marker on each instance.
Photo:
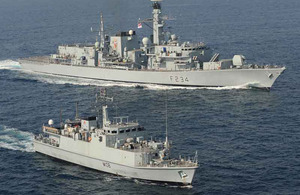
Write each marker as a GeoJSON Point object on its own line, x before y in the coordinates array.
{"type": "Point", "coordinates": [14, 139]}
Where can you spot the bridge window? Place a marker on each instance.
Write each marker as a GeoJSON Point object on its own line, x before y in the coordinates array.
{"type": "Point", "coordinates": [113, 131]}
{"type": "Point", "coordinates": [128, 130]}
{"type": "Point", "coordinates": [134, 129]}
{"type": "Point", "coordinates": [121, 131]}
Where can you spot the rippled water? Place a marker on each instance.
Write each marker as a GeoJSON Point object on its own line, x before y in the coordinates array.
{"type": "Point", "coordinates": [247, 140]}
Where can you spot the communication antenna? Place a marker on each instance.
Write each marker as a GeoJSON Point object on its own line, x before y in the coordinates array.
{"type": "Point", "coordinates": [101, 31]}
{"type": "Point", "coordinates": [60, 119]}
{"type": "Point", "coordinates": [76, 115]}
{"type": "Point", "coordinates": [101, 34]}
{"type": "Point", "coordinates": [196, 157]}
{"type": "Point", "coordinates": [167, 141]}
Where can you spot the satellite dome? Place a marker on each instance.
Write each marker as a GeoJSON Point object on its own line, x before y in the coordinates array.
{"type": "Point", "coordinates": [173, 37]}
{"type": "Point", "coordinates": [145, 41]}
{"type": "Point", "coordinates": [130, 32]}
{"type": "Point", "coordinates": [50, 122]}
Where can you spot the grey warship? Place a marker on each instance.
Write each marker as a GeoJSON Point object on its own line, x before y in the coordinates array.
{"type": "Point", "coordinates": [159, 59]}
{"type": "Point", "coordinates": [117, 146]}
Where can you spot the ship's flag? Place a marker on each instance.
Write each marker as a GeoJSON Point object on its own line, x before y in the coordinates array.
{"type": "Point", "coordinates": [140, 25]}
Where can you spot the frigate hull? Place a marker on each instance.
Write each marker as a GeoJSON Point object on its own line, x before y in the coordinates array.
{"type": "Point", "coordinates": [157, 174]}
{"type": "Point", "coordinates": [256, 77]}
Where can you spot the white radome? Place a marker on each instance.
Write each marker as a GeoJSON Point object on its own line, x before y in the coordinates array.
{"type": "Point", "coordinates": [130, 32]}
{"type": "Point", "coordinates": [173, 37]}
{"type": "Point", "coordinates": [50, 122]}
{"type": "Point", "coordinates": [146, 41]}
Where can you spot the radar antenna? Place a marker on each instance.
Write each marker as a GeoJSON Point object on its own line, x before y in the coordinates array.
{"type": "Point", "coordinates": [102, 96]}
{"type": "Point", "coordinates": [157, 22]}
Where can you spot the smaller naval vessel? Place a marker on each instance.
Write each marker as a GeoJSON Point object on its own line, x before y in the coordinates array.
{"type": "Point", "coordinates": [118, 147]}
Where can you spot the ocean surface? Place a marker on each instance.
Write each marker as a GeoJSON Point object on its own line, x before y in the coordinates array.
{"type": "Point", "coordinates": [248, 140]}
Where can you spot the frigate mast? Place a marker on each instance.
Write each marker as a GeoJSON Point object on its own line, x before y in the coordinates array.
{"type": "Point", "coordinates": [101, 32]}
{"type": "Point", "coordinates": [158, 23]}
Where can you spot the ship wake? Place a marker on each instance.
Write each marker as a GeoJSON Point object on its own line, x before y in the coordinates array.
{"type": "Point", "coordinates": [9, 64]}
{"type": "Point", "coordinates": [14, 139]}
{"type": "Point", "coordinates": [170, 185]}
{"type": "Point", "coordinates": [162, 87]}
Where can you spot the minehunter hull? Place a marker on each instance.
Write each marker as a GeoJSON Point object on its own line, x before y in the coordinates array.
{"type": "Point", "coordinates": [258, 77]}
{"type": "Point", "coordinates": [157, 174]}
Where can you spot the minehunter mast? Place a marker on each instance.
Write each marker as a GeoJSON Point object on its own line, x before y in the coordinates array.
{"type": "Point", "coordinates": [102, 97]}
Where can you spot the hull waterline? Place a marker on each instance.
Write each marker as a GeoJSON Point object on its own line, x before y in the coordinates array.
{"type": "Point", "coordinates": [160, 174]}
{"type": "Point", "coordinates": [257, 78]}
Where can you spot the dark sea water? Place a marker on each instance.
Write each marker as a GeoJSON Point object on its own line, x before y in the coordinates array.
{"type": "Point", "coordinates": [248, 140]}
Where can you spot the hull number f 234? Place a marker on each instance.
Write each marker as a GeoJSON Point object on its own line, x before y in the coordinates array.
{"type": "Point", "coordinates": [178, 79]}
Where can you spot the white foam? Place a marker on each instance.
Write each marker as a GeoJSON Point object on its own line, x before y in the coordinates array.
{"type": "Point", "coordinates": [169, 185]}
{"type": "Point", "coordinates": [246, 86]}
{"type": "Point", "coordinates": [9, 64]}
{"type": "Point", "coordinates": [14, 139]}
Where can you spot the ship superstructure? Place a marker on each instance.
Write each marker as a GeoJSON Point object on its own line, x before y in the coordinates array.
{"type": "Point", "coordinates": [158, 59]}
{"type": "Point", "coordinates": [119, 147]}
